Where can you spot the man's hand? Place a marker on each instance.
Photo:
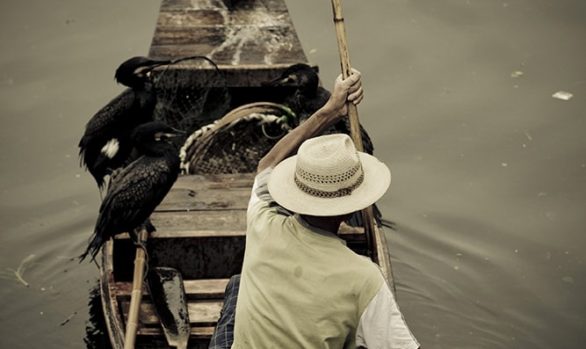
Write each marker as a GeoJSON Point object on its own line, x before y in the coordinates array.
{"type": "Point", "coordinates": [345, 90]}
{"type": "Point", "coordinates": [348, 90]}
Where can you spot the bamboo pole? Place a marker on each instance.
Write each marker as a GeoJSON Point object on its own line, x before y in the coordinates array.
{"type": "Point", "coordinates": [367, 214]}
{"type": "Point", "coordinates": [136, 294]}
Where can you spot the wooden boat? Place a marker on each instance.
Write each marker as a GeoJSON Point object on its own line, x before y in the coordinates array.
{"type": "Point", "coordinates": [201, 222]}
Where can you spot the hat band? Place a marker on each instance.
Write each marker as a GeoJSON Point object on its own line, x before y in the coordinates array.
{"type": "Point", "coordinates": [329, 194]}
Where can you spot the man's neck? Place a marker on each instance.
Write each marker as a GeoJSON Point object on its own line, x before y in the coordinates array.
{"type": "Point", "coordinates": [331, 224]}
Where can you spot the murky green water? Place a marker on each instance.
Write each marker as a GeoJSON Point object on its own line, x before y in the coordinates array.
{"type": "Point", "coordinates": [489, 171]}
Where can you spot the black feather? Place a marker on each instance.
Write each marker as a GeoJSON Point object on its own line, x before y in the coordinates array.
{"type": "Point", "coordinates": [306, 96]}
{"type": "Point", "coordinates": [138, 188]}
{"type": "Point", "coordinates": [115, 121]}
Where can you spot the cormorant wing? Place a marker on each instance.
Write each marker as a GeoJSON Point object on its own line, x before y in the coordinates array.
{"type": "Point", "coordinates": [111, 114]}
{"type": "Point", "coordinates": [135, 193]}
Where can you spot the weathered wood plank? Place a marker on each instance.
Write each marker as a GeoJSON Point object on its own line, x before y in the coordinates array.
{"type": "Point", "coordinates": [182, 199]}
{"type": "Point", "coordinates": [269, 5]}
{"type": "Point", "coordinates": [194, 289]}
{"type": "Point", "coordinates": [215, 192]}
{"type": "Point", "coordinates": [188, 234]}
{"type": "Point", "coordinates": [197, 332]}
{"type": "Point", "coordinates": [213, 17]}
{"type": "Point", "coordinates": [185, 18]}
{"type": "Point", "coordinates": [201, 312]}
{"type": "Point", "coordinates": [252, 32]}
{"type": "Point", "coordinates": [204, 37]}
{"type": "Point", "coordinates": [201, 220]}
{"type": "Point", "coordinates": [223, 181]}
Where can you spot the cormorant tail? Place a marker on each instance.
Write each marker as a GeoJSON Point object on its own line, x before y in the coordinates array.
{"type": "Point", "coordinates": [92, 248]}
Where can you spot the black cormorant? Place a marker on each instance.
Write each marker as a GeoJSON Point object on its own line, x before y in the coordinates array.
{"type": "Point", "coordinates": [138, 188]}
{"type": "Point", "coordinates": [106, 144]}
{"type": "Point", "coordinates": [306, 96]}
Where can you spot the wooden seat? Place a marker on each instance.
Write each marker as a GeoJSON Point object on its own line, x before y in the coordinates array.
{"type": "Point", "coordinates": [205, 300]}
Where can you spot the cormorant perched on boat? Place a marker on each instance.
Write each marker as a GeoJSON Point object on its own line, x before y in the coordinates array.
{"type": "Point", "coordinates": [138, 188]}
{"type": "Point", "coordinates": [307, 96]}
{"type": "Point", "coordinates": [304, 94]}
{"type": "Point", "coordinates": [106, 144]}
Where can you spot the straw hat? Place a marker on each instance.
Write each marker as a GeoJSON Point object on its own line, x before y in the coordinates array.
{"type": "Point", "coordinates": [328, 177]}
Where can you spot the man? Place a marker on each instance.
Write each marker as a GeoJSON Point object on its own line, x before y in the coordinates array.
{"type": "Point", "coordinates": [300, 286]}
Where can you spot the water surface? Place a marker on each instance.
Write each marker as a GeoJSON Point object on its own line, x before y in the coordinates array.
{"type": "Point", "coordinates": [489, 171]}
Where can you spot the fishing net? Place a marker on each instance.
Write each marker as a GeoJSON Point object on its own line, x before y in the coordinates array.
{"type": "Point", "coordinates": [236, 142]}
{"type": "Point", "coordinates": [187, 101]}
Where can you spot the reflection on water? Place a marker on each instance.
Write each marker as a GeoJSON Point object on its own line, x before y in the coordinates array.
{"type": "Point", "coordinates": [96, 335]}
{"type": "Point", "coordinates": [488, 169]}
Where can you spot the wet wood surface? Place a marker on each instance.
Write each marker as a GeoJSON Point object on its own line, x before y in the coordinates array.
{"type": "Point", "coordinates": [256, 37]}
{"type": "Point", "coordinates": [194, 289]}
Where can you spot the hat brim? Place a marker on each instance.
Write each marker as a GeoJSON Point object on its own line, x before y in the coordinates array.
{"type": "Point", "coordinates": [282, 187]}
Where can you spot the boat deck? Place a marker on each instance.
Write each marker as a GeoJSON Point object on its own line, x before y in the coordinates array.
{"type": "Point", "coordinates": [201, 231]}
{"type": "Point", "coordinates": [250, 40]}
{"type": "Point", "coordinates": [201, 224]}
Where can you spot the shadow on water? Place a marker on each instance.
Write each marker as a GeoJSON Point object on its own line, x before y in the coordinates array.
{"type": "Point", "coordinates": [96, 333]}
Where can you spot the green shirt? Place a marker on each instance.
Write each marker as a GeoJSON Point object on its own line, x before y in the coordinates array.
{"type": "Point", "coordinates": [301, 287]}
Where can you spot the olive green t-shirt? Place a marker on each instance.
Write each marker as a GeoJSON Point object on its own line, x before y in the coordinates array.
{"type": "Point", "coordinates": [301, 287]}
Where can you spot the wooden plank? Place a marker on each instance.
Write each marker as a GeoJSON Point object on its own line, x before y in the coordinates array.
{"type": "Point", "coordinates": [218, 181]}
{"type": "Point", "coordinates": [256, 33]}
{"type": "Point", "coordinates": [188, 234]}
{"type": "Point", "coordinates": [238, 5]}
{"type": "Point", "coordinates": [217, 36]}
{"type": "Point", "coordinates": [213, 17]}
{"type": "Point", "coordinates": [214, 192]}
{"type": "Point", "coordinates": [194, 289]}
{"type": "Point", "coordinates": [201, 220]}
{"type": "Point", "coordinates": [182, 199]}
{"type": "Point", "coordinates": [197, 332]}
{"type": "Point", "coordinates": [185, 18]}
{"type": "Point", "coordinates": [206, 37]}
{"type": "Point", "coordinates": [201, 312]}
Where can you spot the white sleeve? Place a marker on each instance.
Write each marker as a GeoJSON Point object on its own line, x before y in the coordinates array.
{"type": "Point", "coordinates": [382, 325]}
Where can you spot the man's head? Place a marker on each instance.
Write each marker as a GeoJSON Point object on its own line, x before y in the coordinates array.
{"type": "Point", "coordinates": [328, 177]}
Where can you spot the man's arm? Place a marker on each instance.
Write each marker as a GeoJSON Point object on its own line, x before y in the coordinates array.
{"type": "Point", "coordinates": [348, 90]}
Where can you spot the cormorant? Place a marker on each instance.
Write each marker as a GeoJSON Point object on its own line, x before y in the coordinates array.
{"type": "Point", "coordinates": [138, 188]}
{"type": "Point", "coordinates": [306, 96]}
{"type": "Point", "coordinates": [106, 144]}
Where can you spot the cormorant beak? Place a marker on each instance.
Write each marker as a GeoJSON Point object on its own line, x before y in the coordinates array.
{"type": "Point", "coordinates": [288, 80]}
{"type": "Point", "coordinates": [159, 136]}
{"type": "Point", "coordinates": [148, 69]}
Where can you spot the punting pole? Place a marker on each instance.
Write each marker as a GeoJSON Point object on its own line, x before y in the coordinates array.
{"type": "Point", "coordinates": [367, 214]}
{"type": "Point", "coordinates": [136, 294]}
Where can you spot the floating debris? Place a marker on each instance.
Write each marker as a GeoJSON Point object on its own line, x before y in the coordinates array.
{"type": "Point", "coordinates": [568, 279]}
{"type": "Point", "coordinates": [563, 95]}
{"type": "Point", "coordinates": [517, 74]}
{"type": "Point", "coordinates": [18, 273]}
{"type": "Point", "coordinates": [64, 322]}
